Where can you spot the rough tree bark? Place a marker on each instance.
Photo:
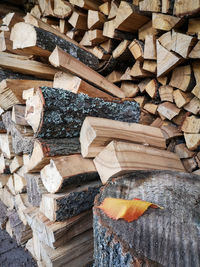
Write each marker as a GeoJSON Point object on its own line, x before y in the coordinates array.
{"type": "Point", "coordinates": [61, 113]}
{"type": "Point", "coordinates": [160, 237]}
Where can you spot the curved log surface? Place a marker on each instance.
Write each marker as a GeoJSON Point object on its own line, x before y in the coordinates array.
{"type": "Point", "coordinates": [160, 237]}
{"type": "Point", "coordinates": [56, 113]}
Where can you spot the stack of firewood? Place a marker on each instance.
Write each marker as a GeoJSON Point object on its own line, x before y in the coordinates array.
{"type": "Point", "coordinates": [138, 69]}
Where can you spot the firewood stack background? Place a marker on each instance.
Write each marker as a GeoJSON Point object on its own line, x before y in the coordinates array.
{"type": "Point", "coordinates": [137, 64]}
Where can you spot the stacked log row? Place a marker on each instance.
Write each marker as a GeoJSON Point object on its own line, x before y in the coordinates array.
{"type": "Point", "coordinates": [62, 65]}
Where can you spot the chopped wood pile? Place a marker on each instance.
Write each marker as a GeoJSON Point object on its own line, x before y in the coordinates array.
{"type": "Point", "coordinates": [90, 90]}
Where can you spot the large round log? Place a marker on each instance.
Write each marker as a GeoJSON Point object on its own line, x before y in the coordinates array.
{"type": "Point", "coordinates": [160, 237]}
{"type": "Point", "coordinates": [56, 113]}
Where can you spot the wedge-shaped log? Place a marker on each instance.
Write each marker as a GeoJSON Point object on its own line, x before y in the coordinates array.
{"type": "Point", "coordinates": [66, 62]}
{"type": "Point", "coordinates": [184, 7]}
{"type": "Point", "coordinates": [53, 113]}
{"type": "Point", "coordinates": [16, 163]}
{"type": "Point", "coordinates": [192, 140]}
{"type": "Point", "coordinates": [26, 66]}
{"type": "Point", "coordinates": [166, 60]}
{"type": "Point", "coordinates": [119, 158]}
{"type": "Point", "coordinates": [6, 145]}
{"type": "Point", "coordinates": [35, 188]}
{"type": "Point", "coordinates": [62, 206]}
{"type": "Point", "coordinates": [45, 149]}
{"type": "Point", "coordinates": [42, 43]}
{"type": "Point", "coordinates": [11, 90]}
{"type": "Point", "coordinates": [65, 171]}
{"type": "Point", "coordinates": [18, 114]}
{"type": "Point", "coordinates": [128, 18]}
{"type": "Point", "coordinates": [56, 234]}
{"type": "Point", "coordinates": [168, 110]}
{"type": "Point", "coordinates": [96, 133]}
{"type": "Point", "coordinates": [191, 125]}
{"type": "Point", "coordinates": [165, 22]}
{"type": "Point", "coordinates": [70, 82]}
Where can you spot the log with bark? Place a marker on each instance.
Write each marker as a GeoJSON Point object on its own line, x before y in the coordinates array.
{"type": "Point", "coordinates": [56, 113]}
{"type": "Point", "coordinates": [126, 242]}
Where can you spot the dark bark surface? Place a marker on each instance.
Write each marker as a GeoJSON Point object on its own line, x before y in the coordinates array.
{"type": "Point", "coordinates": [76, 202]}
{"type": "Point", "coordinates": [61, 146]}
{"type": "Point", "coordinates": [2, 127]}
{"type": "Point", "coordinates": [21, 144]}
{"type": "Point", "coordinates": [160, 237]}
{"type": "Point", "coordinates": [48, 41]}
{"type": "Point", "coordinates": [35, 189]}
{"type": "Point", "coordinates": [64, 112]}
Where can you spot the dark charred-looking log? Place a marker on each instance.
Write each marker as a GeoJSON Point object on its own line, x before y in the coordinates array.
{"type": "Point", "coordinates": [160, 237]}
{"type": "Point", "coordinates": [63, 112]}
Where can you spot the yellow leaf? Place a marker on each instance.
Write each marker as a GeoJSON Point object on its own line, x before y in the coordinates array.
{"type": "Point", "coordinates": [128, 210]}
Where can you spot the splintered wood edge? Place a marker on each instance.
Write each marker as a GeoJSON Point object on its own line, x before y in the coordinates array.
{"type": "Point", "coordinates": [51, 177]}
{"type": "Point", "coordinates": [34, 110]}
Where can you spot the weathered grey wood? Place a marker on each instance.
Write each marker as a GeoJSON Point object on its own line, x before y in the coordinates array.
{"type": "Point", "coordinates": [63, 112]}
{"type": "Point", "coordinates": [20, 231]}
{"type": "Point", "coordinates": [46, 42]}
{"type": "Point", "coordinates": [62, 206]}
{"type": "Point", "coordinates": [8, 74]}
{"type": "Point", "coordinates": [20, 142]}
{"type": "Point", "coordinates": [35, 189]}
{"type": "Point", "coordinates": [160, 237]}
{"type": "Point", "coordinates": [3, 215]}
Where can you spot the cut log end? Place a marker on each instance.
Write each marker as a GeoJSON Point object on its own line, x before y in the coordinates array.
{"type": "Point", "coordinates": [54, 58]}
{"type": "Point", "coordinates": [34, 110]}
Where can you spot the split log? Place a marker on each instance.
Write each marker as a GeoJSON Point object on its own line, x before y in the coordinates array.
{"type": "Point", "coordinates": [65, 171]}
{"type": "Point", "coordinates": [78, 20]}
{"type": "Point", "coordinates": [42, 43]}
{"type": "Point", "coordinates": [177, 219]}
{"type": "Point", "coordinates": [122, 52]}
{"type": "Point", "coordinates": [19, 183]}
{"type": "Point", "coordinates": [193, 106]}
{"type": "Point", "coordinates": [137, 49]}
{"type": "Point", "coordinates": [145, 30]}
{"type": "Point", "coordinates": [42, 107]}
{"type": "Point", "coordinates": [18, 115]}
{"type": "Point", "coordinates": [10, 20]}
{"type": "Point", "coordinates": [10, 185]}
{"type": "Point", "coordinates": [95, 19]}
{"type": "Point", "coordinates": [62, 206]}
{"type": "Point", "coordinates": [150, 47]}
{"type": "Point", "coordinates": [21, 204]}
{"type": "Point", "coordinates": [46, 7]}
{"type": "Point", "coordinates": [22, 140]}
{"type": "Point", "coordinates": [57, 234]}
{"type": "Point", "coordinates": [191, 124]}
{"type": "Point", "coordinates": [7, 198]}
{"type": "Point", "coordinates": [150, 6]}
{"type": "Point", "coordinates": [138, 72]}
{"type": "Point", "coordinates": [182, 44]}
{"type": "Point", "coordinates": [166, 40]}
{"type": "Point", "coordinates": [62, 9]}
{"type": "Point", "coordinates": [181, 98]}
{"type": "Point", "coordinates": [78, 252]}
{"type": "Point", "coordinates": [73, 83]}
{"type": "Point", "coordinates": [105, 8]}
{"type": "Point", "coordinates": [190, 164]}
{"type": "Point", "coordinates": [6, 145]}
{"type": "Point", "coordinates": [114, 76]}
{"type": "Point", "coordinates": [119, 158]}
{"type": "Point", "coordinates": [35, 189]}
{"type": "Point", "coordinates": [87, 4]}
{"type": "Point", "coordinates": [183, 152]}
{"type": "Point", "coordinates": [130, 89]}
{"type": "Point", "coordinates": [4, 165]}
{"type": "Point", "coordinates": [192, 141]}
{"type": "Point", "coordinates": [3, 180]}
{"type": "Point", "coordinates": [44, 150]}
{"type": "Point", "coordinates": [152, 88]}
{"type": "Point", "coordinates": [151, 108]}
{"type": "Point", "coordinates": [21, 232]}
{"type": "Point", "coordinates": [186, 8]}
{"type": "Point", "coordinates": [68, 63]}
{"type": "Point", "coordinates": [166, 93]}
{"type": "Point", "coordinates": [165, 22]}
{"type": "Point", "coordinates": [150, 66]}
{"type": "Point", "coordinates": [166, 60]}
{"type": "Point", "coordinates": [11, 90]}
{"type": "Point", "coordinates": [168, 110]}
{"type": "Point", "coordinates": [183, 78]}
{"type": "Point", "coordinates": [31, 67]}
{"type": "Point", "coordinates": [96, 133]}
{"type": "Point", "coordinates": [16, 163]}
{"type": "Point", "coordinates": [128, 18]}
